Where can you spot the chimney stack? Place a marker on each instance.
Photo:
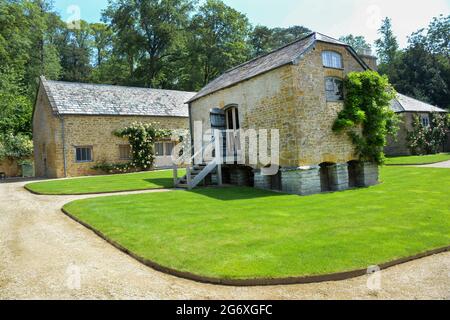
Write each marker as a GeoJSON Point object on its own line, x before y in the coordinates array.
{"type": "Point", "coordinates": [369, 59]}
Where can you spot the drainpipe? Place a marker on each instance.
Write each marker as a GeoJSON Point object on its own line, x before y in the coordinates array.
{"type": "Point", "coordinates": [63, 137]}
{"type": "Point", "coordinates": [191, 129]}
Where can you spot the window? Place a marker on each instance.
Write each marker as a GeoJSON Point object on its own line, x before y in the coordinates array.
{"type": "Point", "coordinates": [125, 152]}
{"type": "Point", "coordinates": [169, 148]}
{"type": "Point", "coordinates": [332, 59]}
{"type": "Point", "coordinates": [334, 88]}
{"type": "Point", "coordinates": [425, 120]}
{"type": "Point", "coordinates": [83, 154]}
{"type": "Point", "coordinates": [159, 149]}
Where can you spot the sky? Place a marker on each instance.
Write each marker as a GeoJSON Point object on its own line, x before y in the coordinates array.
{"type": "Point", "coordinates": [333, 18]}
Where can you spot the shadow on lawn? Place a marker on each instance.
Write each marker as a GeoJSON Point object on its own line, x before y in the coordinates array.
{"type": "Point", "coordinates": [235, 193]}
{"type": "Point", "coordinates": [163, 182]}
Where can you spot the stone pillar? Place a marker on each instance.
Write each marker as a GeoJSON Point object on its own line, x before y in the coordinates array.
{"type": "Point", "coordinates": [368, 174]}
{"type": "Point", "coordinates": [339, 177]}
{"type": "Point", "coordinates": [239, 176]}
{"type": "Point", "coordinates": [262, 181]}
{"type": "Point", "coordinates": [302, 181]}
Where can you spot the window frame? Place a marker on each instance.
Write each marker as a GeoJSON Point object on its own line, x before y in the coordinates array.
{"type": "Point", "coordinates": [156, 149]}
{"type": "Point", "coordinates": [90, 148]}
{"type": "Point", "coordinates": [130, 156]}
{"type": "Point", "coordinates": [333, 53]}
{"type": "Point", "coordinates": [426, 117]}
{"type": "Point", "coordinates": [342, 96]}
{"type": "Point", "coordinates": [166, 154]}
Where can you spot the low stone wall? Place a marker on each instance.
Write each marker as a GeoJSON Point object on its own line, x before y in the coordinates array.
{"type": "Point", "coordinates": [10, 168]}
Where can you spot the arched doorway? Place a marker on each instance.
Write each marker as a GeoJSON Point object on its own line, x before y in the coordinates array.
{"type": "Point", "coordinates": [326, 179]}
{"type": "Point", "coordinates": [353, 174]}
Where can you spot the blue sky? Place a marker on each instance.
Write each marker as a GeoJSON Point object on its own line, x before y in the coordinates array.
{"type": "Point", "coordinates": [334, 18]}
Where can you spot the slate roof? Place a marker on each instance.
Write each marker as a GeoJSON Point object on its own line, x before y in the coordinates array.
{"type": "Point", "coordinates": [69, 98]}
{"type": "Point", "coordinates": [288, 54]}
{"type": "Point", "coordinates": [407, 104]}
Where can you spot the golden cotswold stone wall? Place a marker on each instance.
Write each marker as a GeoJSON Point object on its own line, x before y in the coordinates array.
{"type": "Point", "coordinates": [47, 139]}
{"type": "Point", "coordinates": [97, 132]}
{"type": "Point", "coordinates": [10, 168]}
{"type": "Point", "coordinates": [292, 99]}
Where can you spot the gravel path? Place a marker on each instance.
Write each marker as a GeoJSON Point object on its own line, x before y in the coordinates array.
{"type": "Point", "coordinates": [45, 255]}
{"type": "Point", "coordinates": [445, 164]}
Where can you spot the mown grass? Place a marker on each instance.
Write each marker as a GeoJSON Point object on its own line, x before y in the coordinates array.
{"type": "Point", "coordinates": [418, 160]}
{"type": "Point", "coordinates": [241, 233]}
{"type": "Point", "coordinates": [102, 184]}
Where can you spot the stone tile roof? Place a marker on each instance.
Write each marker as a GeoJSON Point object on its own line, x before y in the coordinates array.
{"type": "Point", "coordinates": [406, 104]}
{"type": "Point", "coordinates": [285, 55]}
{"type": "Point", "coordinates": [92, 99]}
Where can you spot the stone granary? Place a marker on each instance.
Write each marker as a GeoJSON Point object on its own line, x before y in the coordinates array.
{"type": "Point", "coordinates": [73, 124]}
{"type": "Point", "coordinates": [297, 89]}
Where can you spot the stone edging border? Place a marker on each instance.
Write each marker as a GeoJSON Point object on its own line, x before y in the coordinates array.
{"type": "Point", "coordinates": [94, 193]}
{"type": "Point", "coordinates": [253, 282]}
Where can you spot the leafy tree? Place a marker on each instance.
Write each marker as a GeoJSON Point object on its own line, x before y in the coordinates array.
{"type": "Point", "coordinates": [423, 69]}
{"type": "Point", "coordinates": [102, 41]}
{"type": "Point", "coordinates": [263, 40]}
{"type": "Point", "coordinates": [15, 105]}
{"type": "Point", "coordinates": [358, 43]}
{"type": "Point", "coordinates": [217, 42]}
{"type": "Point", "coordinates": [387, 46]}
{"type": "Point", "coordinates": [367, 106]}
{"type": "Point", "coordinates": [76, 52]}
{"type": "Point", "coordinates": [147, 33]}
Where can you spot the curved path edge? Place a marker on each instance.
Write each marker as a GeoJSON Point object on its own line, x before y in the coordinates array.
{"type": "Point", "coordinates": [96, 193]}
{"type": "Point", "coordinates": [258, 281]}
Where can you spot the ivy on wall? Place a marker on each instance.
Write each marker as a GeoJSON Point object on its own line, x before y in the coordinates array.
{"type": "Point", "coordinates": [367, 116]}
{"type": "Point", "coordinates": [423, 140]}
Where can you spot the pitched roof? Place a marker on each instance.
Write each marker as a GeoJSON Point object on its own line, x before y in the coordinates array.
{"type": "Point", "coordinates": [407, 104]}
{"type": "Point", "coordinates": [288, 54]}
{"type": "Point", "coordinates": [92, 99]}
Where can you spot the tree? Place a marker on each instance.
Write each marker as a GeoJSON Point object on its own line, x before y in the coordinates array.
{"type": "Point", "coordinates": [424, 140]}
{"type": "Point", "coordinates": [15, 104]}
{"type": "Point", "coordinates": [358, 43]}
{"type": "Point", "coordinates": [75, 47]}
{"type": "Point", "coordinates": [102, 42]}
{"type": "Point", "coordinates": [218, 42]}
{"type": "Point", "coordinates": [147, 33]}
{"type": "Point", "coordinates": [387, 45]}
{"type": "Point", "coordinates": [263, 40]}
{"type": "Point", "coordinates": [422, 70]}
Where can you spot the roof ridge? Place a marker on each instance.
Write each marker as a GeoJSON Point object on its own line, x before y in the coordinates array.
{"type": "Point", "coordinates": [269, 53]}
{"type": "Point", "coordinates": [112, 85]}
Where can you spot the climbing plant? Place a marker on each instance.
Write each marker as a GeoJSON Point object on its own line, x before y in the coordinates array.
{"type": "Point", "coordinates": [142, 138]}
{"type": "Point", "coordinates": [424, 140]}
{"type": "Point", "coordinates": [367, 116]}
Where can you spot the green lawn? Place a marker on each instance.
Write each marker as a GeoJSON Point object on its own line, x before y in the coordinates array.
{"type": "Point", "coordinates": [240, 233]}
{"type": "Point", "coordinates": [418, 160]}
{"type": "Point", "coordinates": [101, 184]}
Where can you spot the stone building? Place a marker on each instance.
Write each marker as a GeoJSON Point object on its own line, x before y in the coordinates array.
{"type": "Point", "coordinates": [297, 89]}
{"type": "Point", "coordinates": [73, 124]}
{"type": "Point", "coordinates": [407, 108]}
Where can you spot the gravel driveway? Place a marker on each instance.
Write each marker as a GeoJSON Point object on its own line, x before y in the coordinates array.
{"type": "Point", "coordinates": [45, 255]}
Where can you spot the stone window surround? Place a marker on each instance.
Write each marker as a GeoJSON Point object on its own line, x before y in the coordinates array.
{"type": "Point", "coordinates": [130, 157]}
{"type": "Point", "coordinates": [331, 67]}
{"type": "Point", "coordinates": [84, 147]}
{"type": "Point", "coordinates": [326, 90]}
